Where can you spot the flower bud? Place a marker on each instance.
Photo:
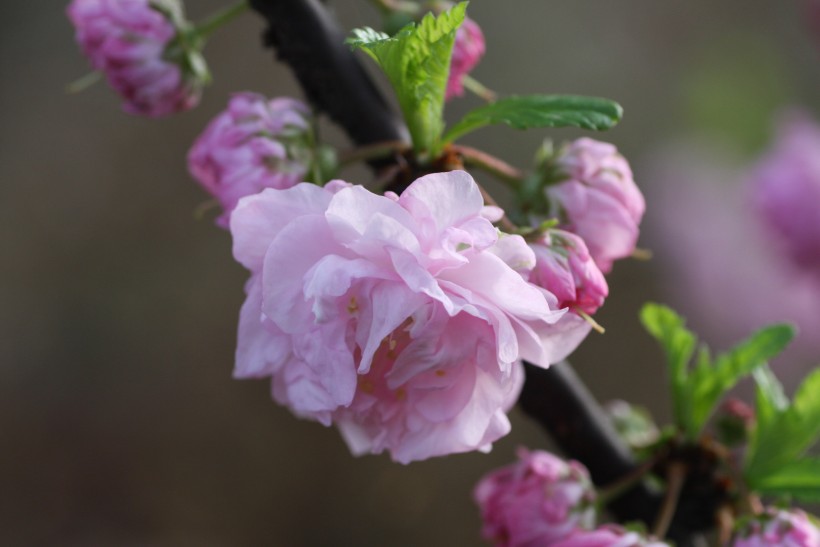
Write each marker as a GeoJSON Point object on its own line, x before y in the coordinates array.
{"type": "Point", "coordinates": [468, 50]}
{"type": "Point", "coordinates": [564, 267]}
{"type": "Point", "coordinates": [777, 527]}
{"type": "Point", "coordinates": [597, 199]}
{"type": "Point", "coordinates": [786, 186]}
{"type": "Point", "coordinates": [254, 144]}
{"type": "Point", "coordinates": [607, 536]}
{"type": "Point", "coordinates": [142, 52]}
{"type": "Point", "coordinates": [536, 501]}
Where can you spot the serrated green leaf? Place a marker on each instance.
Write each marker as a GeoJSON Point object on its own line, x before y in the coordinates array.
{"type": "Point", "coordinates": [784, 434]}
{"type": "Point", "coordinates": [530, 111]}
{"type": "Point", "coordinates": [709, 383]}
{"type": "Point", "coordinates": [417, 63]}
{"type": "Point", "coordinates": [678, 343]}
{"type": "Point", "coordinates": [800, 479]}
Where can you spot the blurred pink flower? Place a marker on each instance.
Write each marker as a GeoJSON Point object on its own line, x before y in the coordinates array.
{"type": "Point", "coordinates": [607, 536]}
{"type": "Point", "coordinates": [720, 267]}
{"type": "Point", "coordinates": [786, 186]}
{"type": "Point", "coordinates": [127, 41]}
{"type": "Point", "coordinates": [468, 50]}
{"type": "Point", "coordinates": [598, 199]}
{"type": "Point", "coordinates": [396, 318]}
{"type": "Point", "coordinates": [536, 501]}
{"type": "Point", "coordinates": [778, 527]}
{"type": "Point", "coordinates": [563, 267]}
{"type": "Point", "coordinates": [252, 145]}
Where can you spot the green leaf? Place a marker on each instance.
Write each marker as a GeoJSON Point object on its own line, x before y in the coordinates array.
{"type": "Point", "coordinates": [783, 435]}
{"type": "Point", "coordinates": [417, 63]}
{"type": "Point", "coordinates": [709, 383]}
{"type": "Point", "coordinates": [800, 479]}
{"type": "Point", "coordinates": [679, 345]}
{"type": "Point", "coordinates": [530, 111]}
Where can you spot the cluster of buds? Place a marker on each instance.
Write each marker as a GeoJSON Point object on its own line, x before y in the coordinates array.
{"type": "Point", "coordinates": [544, 501]}
{"type": "Point", "coordinates": [145, 49]}
{"type": "Point", "coordinates": [777, 527]}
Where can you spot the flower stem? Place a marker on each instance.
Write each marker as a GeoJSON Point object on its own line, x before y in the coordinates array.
{"type": "Point", "coordinates": [614, 490]}
{"type": "Point", "coordinates": [500, 169]}
{"type": "Point", "coordinates": [505, 222]}
{"type": "Point", "coordinates": [675, 477]}
{"type": "Point", "coordinates": [373, 151]}
{"type": "Point", "coordinates": [479, 89]}
{"type": "Point", "coordinates": [84, 82]}
{"type": "Point", "coordinates": [220, 18]}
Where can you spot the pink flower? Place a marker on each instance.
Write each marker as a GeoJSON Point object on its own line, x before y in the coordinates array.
{"type": "Point", "coordinates": [598, 200]}
{"type": "Point", "coordinates": [468, 50]}
{"type": "Point", "coordinates": [127, 40]}
{"type": "Point", "coordinates": [607, 536]}
{"type": "Point", "coordinates": [786, 183]}
{"type": "Point", "coordinates": [564, 267]}
{"type": "Point", "coordinates": [396, 318]}
{"type": "Point", "coordinates": [779, 527]}
{"type": "Point", "coordinates": [254, 144]}
{"type": "Point", "coordinates": [536, 501]}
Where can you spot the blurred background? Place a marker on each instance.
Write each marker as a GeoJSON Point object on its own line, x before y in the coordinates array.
{"type": "Point", "coordinates": [119, 420]}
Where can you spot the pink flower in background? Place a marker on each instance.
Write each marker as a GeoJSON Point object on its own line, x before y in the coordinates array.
{"type": "Point", "coordinates": [607, 536]}
{"type": "Point", "coordinates": [396, 318]}
{"type": "Point", "coordinates": [253, 145]}
{"type": "Point", "coordinates": [786, 186]}
{"type": "Point", "coordinates": [127, 40]}
{"type": "Point", "coordinates": [564, 267]}
{"type": "Point", "coordinates": [468, 50]}
{"type": "Point", "coordinates": [778, 527]}
{"type": "Point", "coordinates": [598, 200]}
{"type": "Point", "coordinates": [536, 501]}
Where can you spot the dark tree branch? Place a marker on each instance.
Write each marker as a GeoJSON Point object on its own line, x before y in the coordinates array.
{"type": "Point", "coordinates": [307, 39]}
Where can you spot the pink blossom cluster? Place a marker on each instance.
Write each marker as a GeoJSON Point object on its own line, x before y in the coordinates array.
{"type": "Point", "coordinates": [786, 184]}
{"type": "Point", "coordinates": [608, 535]}
{"type": "Point", "coordinates": [127, 40]}
{"type": "Point", "coordinates": [468, 50]}
{"type": "Point", "coordinates": [597, 199]}
{"type": "Point", "coordinates": [536, 501]}
{"type": "Point", "coordinates": [544, 501]}
{"type": "Point", "coordinates": [400, 319]}
{"type": "Point", "coordinates": [778, 527]}
{"type": "Point", "coordinates": [254, 144]}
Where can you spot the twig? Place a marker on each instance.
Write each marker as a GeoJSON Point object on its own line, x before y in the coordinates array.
{"type": "Point", "coordinates": [505, 222]}
{"type": "Point", "coordinates": [675, 477]}
{"type": "Point", "coordinates": [495, 166]}
{"type": "Point", "coordinates": [373, 151]}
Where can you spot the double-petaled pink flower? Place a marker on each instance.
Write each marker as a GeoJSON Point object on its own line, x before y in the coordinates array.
{"type": "Point", "coordinates": [536, 501]}
{"type": "Point", "coordinates": [468, 50]}
{"type": "Point", "coordinates": [255, 144]}
{"type": "Point", "coordinates": [597, 199]}
{"type": "Point", "coordinates": [786, 186]}
{"type": "Point", "coordinates": [399, 319]}
{"type": "Point", "coordinates": [778, 527]}
{"type": "Point", "coordinates": [128, 41]}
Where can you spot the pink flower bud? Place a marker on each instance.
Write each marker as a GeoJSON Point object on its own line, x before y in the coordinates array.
{"type": "Point", "coordinates": [468, 50]}
{"type": "Point", "coordinates": [394, 317]}
{"type": "Point", "coordinates": [778, 527]}
{"type": "Point", "coordinates": [253, 145]}
{"type": "Point", "coordinates": [564, 267]}
{"type": "Point", "coordinates": [786, 185]}
{"type": "Point", "coordinates": [607, 536]}
{"type": "Point", "coordinates": [598, 200]}
{"type": "Point", "coordinates": [536, 501]}
{"type": "Point", "coordinates": [127, 40]}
